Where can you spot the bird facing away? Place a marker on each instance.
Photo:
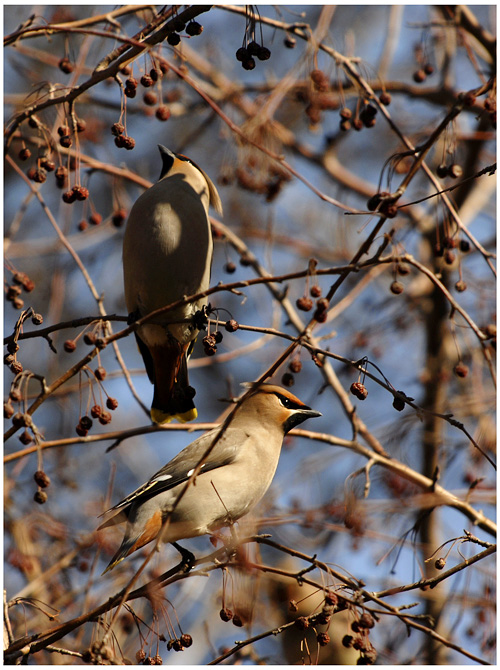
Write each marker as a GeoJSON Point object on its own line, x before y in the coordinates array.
{"type": "Point", "coordinates": [167, 255]}
{"type": "Point", "coordinates": [231, 480]}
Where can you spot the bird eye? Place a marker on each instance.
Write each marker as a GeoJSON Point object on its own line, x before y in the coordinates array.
{"type": "Point", "coordinates": [286, 402]}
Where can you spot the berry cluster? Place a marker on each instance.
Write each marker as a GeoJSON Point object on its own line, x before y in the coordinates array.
{"type": "Point", "coordinates": [245, 55]}
{"type": "Point", "coordinates": [20, 281]}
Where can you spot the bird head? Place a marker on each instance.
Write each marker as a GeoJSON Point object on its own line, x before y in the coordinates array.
{"type": "Point", "coordinates": [276, 406]}
{"type": "Point", "coordinates": [173, 163]}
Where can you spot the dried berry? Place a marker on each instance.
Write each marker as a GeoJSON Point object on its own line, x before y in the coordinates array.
{"type": "Point", "coordinates": [397, 287]}
{"type": "Point", "coordinates": [460, 286]}
{"type": "Point", "coordinates": [385, 98]}
{"type": "Point", "coordinates": [81, 431]}
{"type": "Point", "coordinates": [65, 141]}
{"type": "Point", "coordinates": [117, 129]}
{"type": "Point", "coordinates": [419, 76]}
{"type": "Point", "coordinates": [449, 257]}
{"type": "Point", "coordinates": [69, 197]}
{"type": "Point", "coordinates": [173, 39]}
{"type": "Point", "coordinates": [89, 338]}
{"type": "Point", "coordinates": [302, 623]}
{"type": "Point", "coordinates": [63, 130]}
{"type": "Point", "coordinates": [357, 124]}
{"type": "Point", "coordinates": [128, 142]}
{"type": "Point", "coordinates": [242, 54]}
{"type": "Point", "coordinates": [403, 269]}
{"type": "Point", "coordinates": [100, 373]}
{"type": "Point", "coordinates": [130, 92]}
{"type": "Point", "coordinates": [288, 380]}
{"type": "Point", "coordinates": [47, 164]}
{"type": "Point", "coordinates": [442, 170]}
{"type": "Point", "coordinates": [69, 346]}
{"type": "Point", "coordinates": [95, 411]}
{"type": "Point", "coordinates": [86, 422]}
{"type": "Point", "coordinates": [290, 42]}
{"type": "Point", "coordinates": [147, 80]}
{"type": "Point", "coordinates": [40, 176]}
{"type": "Point", "coordinates": [105, 418]}
{"type": "Point", "coordinates": [162, 113]}
{"type": "Point", "coordinates": [428, 69]}
{"type": "Point", "coordinates": [347, 641]}
{"type": "Point", "coordinates": [461, 370]}
{"type": "Point", "coordinates": [226, 614]}
{"type": "Point", "coordinates": [95, 218]}
{"type": "Point", "coordinates": [186, 640]}
{"type": "Point", "coordinates": [359, 390]}
{"type": "Point", "coordinates": [13, 292]}
{"type": "Point", "coordinates": [320, 80]}
{"type": "Point", "coordinates": [81, 125]}
{"type": "Point", "coordinates": [16, 367]}
{"type": "Point", "coordinates": [24, 154]}
{"type": "Point", "coordinates": [345, 125]}
{"type": "Point", "coordinates": [490, 330]}
{"type": "Point", "coordinates": [25, 437]}
{"type": "Point", "coordinates": [194, 28]}
{"type": "Point", "coordinates": [150, 98]}
{"type": "Point", "coordinates": [295, 365]}
{"type": "Point", "coordinates": [323, 639]}
{"type": "Point", "coordinates": [248, 64]}
{"type": "Point", "coordinates": [42, 479]}
{"type": "Point", "coordinates": [111, 403]}
{"type": "Point", "coordinates": [40, 497]}
{"type": "Point", "coordinates": [65, 65]}
{"type": "Point", "coordinates": [231, 326]}
{"type": "Point", "coordinates": [455, 171]}
{"type": "Point", "coordinates": [118, 217]}
{"type": "Point", "coordinates": [315, 291]}
{"type": "Point", "coordinates": [218, 337]}
{"type": "Point", "coordinates": [230, 267]}
{"type": "Point", "coordinates": [8, 410]}
{"type": "Point", "coordinates": [264, 53]}
{"type": "Point", "coordinates": [18, 303]}
{"type": "Point", "coordinates": [440, 563]}
{"type": "Point", "coordinates": [464, 246]}
{"type": "Point", "coordinates": [140, 656]}
{"type": "Point", "coordinates": [12, 347]}
{"type": "Point", "coordinates": [366, 620]}
{"type": "Point", "coordinates": [18, 420]}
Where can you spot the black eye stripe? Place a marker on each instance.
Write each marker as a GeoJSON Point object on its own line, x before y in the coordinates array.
{"type": "Point", "coordinates": [288, 403]}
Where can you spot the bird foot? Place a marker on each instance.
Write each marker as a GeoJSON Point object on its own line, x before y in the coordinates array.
{"type": "Point", "coordinates": [188, 558]}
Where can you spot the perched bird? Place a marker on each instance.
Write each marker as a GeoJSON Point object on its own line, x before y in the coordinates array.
{"type": "Point", "coordinates": [233, 477]}
{"type": "Point", "coordinates": [167, 255]}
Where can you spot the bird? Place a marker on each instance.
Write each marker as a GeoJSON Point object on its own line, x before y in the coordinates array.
{"type": "Point", "coordinates": [167, 255]}
{"type": "Point", "coordinates": [231, 478]}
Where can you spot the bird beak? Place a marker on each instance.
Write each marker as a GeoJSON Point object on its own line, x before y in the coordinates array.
{"type": "Point", "coordinates": [298, 416]}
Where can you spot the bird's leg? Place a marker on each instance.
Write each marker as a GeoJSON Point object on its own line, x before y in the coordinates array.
{"type": "Point", "coordinates": [188, 558]}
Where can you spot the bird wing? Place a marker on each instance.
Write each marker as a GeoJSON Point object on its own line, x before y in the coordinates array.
{"type": "Point", "coordinates": [181, 467]}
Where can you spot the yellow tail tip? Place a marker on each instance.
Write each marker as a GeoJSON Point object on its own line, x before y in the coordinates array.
{"type": "Point", "coordinates": [112, 565]}
{"type": "Point", "coordinates": [158, 416]}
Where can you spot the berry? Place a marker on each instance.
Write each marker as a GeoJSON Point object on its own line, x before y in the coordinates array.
{"type": "Point", "coordinates": [69, 197]}
{"type": "Point", "coordinates": [65, 65]}
{"type": "Point", "coordinates": [47, 164]}
{"type": "Point", "coordinates": [449, 257]}
{"type": "Point", "coordinates": [118, 217]}
{"type": "Point", "coordinates": [398, 404]}
{"type": "Point", "coordinates": [461, 370]}
{"type": "Point", "coordinates": [469, 99]}
{"type": "Point", "coordinates": [440, 563]}
{"type": "Point", "coordinates": [186, 640]}
{"type": "Point", "coordinates": [345, 125]}
{"type": "Point", "coordinates": [460, 286]}
{"type": "Point", "coordinates": [100, 373]}
{"type": "Point", "coordinates": [8, 410]}
{"type": "Point", "coordinates": [86, 422]}
{"type": "Point", "coordinates": [150, 98]}
{"type": "Point", "coordinates": [81, 193]}
{"type": "Point", "coordinates": [111, 403]}
{"type": "Point", "coordinates": [81, 431]}
{"type": "Point", "coordinates": [117, 129]}
{"type": "Point", "coordinates": [359, 390]}
{"type": "Point", "coordinates": [226, 614]}
{"type": "Point", "coordinates": [95, 218]}
{"type": "Point", "coordinates": [194, 28]}
{"type": "Point", "coordinates": [295, 366]}
{"type": "Point", "coordinates": [366, 620]}
{"type": "Point", "coordinates": [81, 125]}
{"type": "Point", "coordinates": [63, 130]}
{"type": "Point", "coordinates": [305, 304]}
{"type": "Point", "coordinates": [288, 380]}
{"type": "Point", "coordinates": [397, 287]}
{"type": "Point", "coordinates": [24, 154]}
{"type": "Point", "coordinates": [128, 142]}
{"type": "Point", "coordinates": [65, 141]}
{"type": "Point", "coordinates": [347, 641]}
{"type": "Point", "coordinates": [455, 171]}
{"type": "Point", "coordinates": [385, 98]}
{"type": "Point", "coordinates": [264, 53]}
{"type": "Point", "coordinates": [428, 69]}
{"type": "Point", "coordinates": [162, 113]}
{"type": "Point", "coordinates": [323, 639]}
{"type": "Point", "coordinates": [419, 76]}
{"type": "Point", "coordinates": [40, 497]}
{"type": "Point", "coordinates": [147, 80]}
{"type": "Point", "coordinates": [442, 170]}
{"type": "Point", "coordinates": [173, 39]}
{"type": "Point", "coordinates": [25, 437]}
{"type": "Point", "coordinates": [315, 291]}
{"type": "Point", "coordinates": [105, 418]}
{"type": "Point", "coordinates": [253, 48]}
{"type": "Point", "coordinates": [290, 42]}
{"type": "Point", "coordinates": [231, 326]}
{"type": "Point", "coordinates": [248, 64]}
{"type": "Point", "coordinates": [95, 411]}
{"type": "Point", "coordinates": [69, 346]}
{"type": "Point", "coordinates": [302, 623]}
{"type": "Point", "coordinates": [42, 480]}
{"type": "Point", "coordinates": [230, 267]}
{"type": "Point", "coordinates": [464, 246]}
{"type": "Point", "coordinates": [242, 54]}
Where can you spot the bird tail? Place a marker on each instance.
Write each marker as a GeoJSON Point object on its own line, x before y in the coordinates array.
{"type": "Point", "coordinates": [173, 397]}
